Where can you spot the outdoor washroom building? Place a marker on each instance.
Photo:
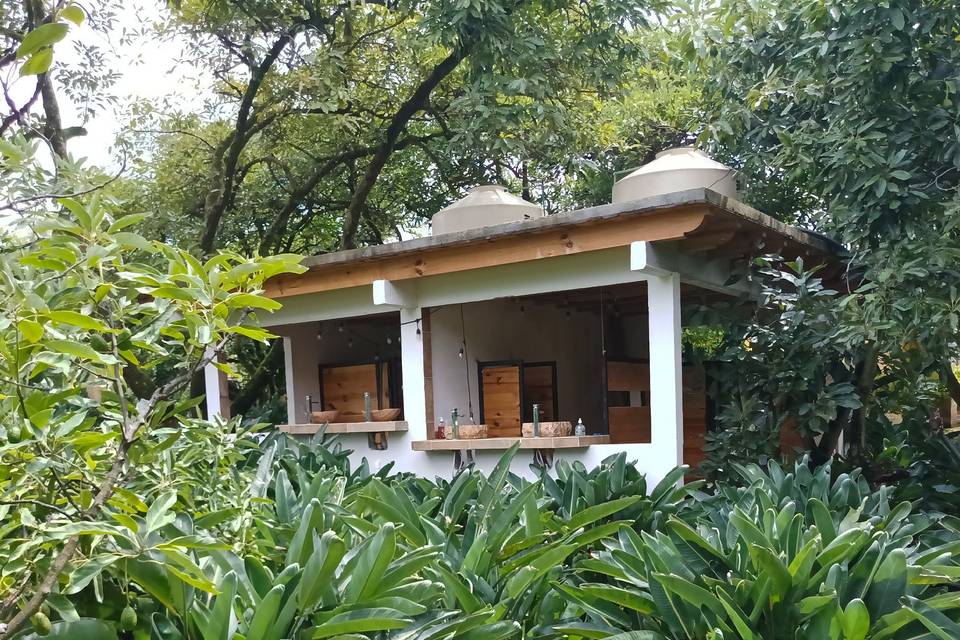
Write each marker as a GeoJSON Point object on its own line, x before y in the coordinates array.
{"type": "Point", "coordinates": [503, 307]}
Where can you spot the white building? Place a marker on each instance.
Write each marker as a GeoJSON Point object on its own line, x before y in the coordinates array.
{"type": "Point", "coordinates": [503, 308]}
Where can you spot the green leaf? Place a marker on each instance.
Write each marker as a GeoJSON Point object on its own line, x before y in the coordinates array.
{"type": "Point", "coordinates": [73, 13]}
{"type": "Point", "coordinates": [691, 593]}
{"type": "Point", "coordinates": [249, 300]}
{"type": "Point", "coordinates": [77, 319]}
{"type": "Point", "coordinates": [319, 570]}
{"type": "Point", "coordinates": [219, 622]}
{"type": "Point", "coordinates": [81, 629]}
{"type": "Point", "coordinates": [266, 613]}
{"type": "Point", "coordinates": [371, 565]}
{"type": "Point", "coordinates": [79, 350]}
{"type": "Point", "coordinates": [43, 36]}
{"type": "Point", "coordinates": [38, 63]}
{"type": "Point", "coordinates": [526, 575]}
{"type": "Point", "coordinates": [361, 621]}
{"type": "Point", "coordinates": [856, 620]}
{"type": "Point", "coordinates": [889, 584]}
{"type": "Point", "coordinates": [600, 511]}
{"type": "Point", "coordinates": [772, 566]}
{"type": "Point", "coordinates": [637, 635]}
{"type": "Point", "coordinates": [159, 515]}
{"type": "Point", "coordinates": [30, 330]}
{"type": "Point", "coordinates": [89, 570]}
{"type": "Point", "coordinates": [936, 622]}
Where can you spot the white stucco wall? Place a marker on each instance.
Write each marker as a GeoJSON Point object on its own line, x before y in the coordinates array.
{"type": "Point", "coordinates": [497, 330]}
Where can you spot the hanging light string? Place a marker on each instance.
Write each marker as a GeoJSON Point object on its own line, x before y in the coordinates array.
{"type": "Point", "coordinates": [352, 333]}
{"type": "Point", "coordinates": [466, 364]}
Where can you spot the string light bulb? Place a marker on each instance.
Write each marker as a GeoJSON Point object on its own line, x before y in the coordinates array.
{"type": "Point", "coordinates": [340, 327]}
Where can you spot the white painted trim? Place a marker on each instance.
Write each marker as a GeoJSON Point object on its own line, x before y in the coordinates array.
{"type": "Point", "coordinates": [391, 294]}
{"type": "Point", "coordinates": [652, 259]}
{"type": "Point", "coordinates": [563, 273]}
{"type": "Point", "coordinates": [216, 390]}
{"type": "Point", "coordinates": [411, 361]}
{"type": "Point", "coordinates": [662, 259]}
{"type": "Point", "coordinates": [326, 305]}
{"type": "Point", "coordinates": [288, 373]}
{"type": "Point", "coordinates": [666, 371]}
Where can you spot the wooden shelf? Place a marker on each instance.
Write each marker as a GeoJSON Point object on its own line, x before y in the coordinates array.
{"type": "Point", "coordinates": [344, 427]}
{"type": "Point", "coordinates": [564, 442]}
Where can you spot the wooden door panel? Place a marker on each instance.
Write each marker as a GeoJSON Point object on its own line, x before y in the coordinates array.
{"type": "Point", "coordinates": [343, 389]}
{"type": "Point", "coordinates": [500, 386]}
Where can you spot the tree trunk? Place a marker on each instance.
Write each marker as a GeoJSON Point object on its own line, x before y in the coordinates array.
{"type": "Point", "coordinates": [253, 390]}
{"type": "Point", "coordinates": [53, 127]}
{"type": "Point", "coordinates": [224, 176]}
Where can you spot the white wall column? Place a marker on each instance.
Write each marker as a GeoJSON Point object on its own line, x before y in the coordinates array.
{"type": "Point", "coordinates": [666, 384]}
{"type": "Point", "coordinates": [288, 376]}
{"type": "Point", "coordinates": [414, 392]}
{"type": "Point", "coordinates": [301, 375]}
{"type": "Point", "coordinates": [217, 391]}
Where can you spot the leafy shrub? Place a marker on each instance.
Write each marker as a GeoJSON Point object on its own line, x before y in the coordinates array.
{"type": "Point", "coordinates": [787, 555]}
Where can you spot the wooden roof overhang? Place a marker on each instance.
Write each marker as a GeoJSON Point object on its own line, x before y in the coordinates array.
{"type": "Point", "coordinates": [698, 221]}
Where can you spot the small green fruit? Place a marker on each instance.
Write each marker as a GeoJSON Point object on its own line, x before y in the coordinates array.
{"type": "Point", "coordinates": [128, 618]}
{"type": "Point", "coordinates": [41, 623]}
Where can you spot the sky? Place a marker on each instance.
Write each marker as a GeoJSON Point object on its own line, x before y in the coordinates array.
{"type": "Point", "coordinates": [148, 71]}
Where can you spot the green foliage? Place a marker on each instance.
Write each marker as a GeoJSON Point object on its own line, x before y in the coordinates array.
{"type": "Point", "coordinates": [101, 333]}
{"type": "Point", "coordinates": [788, 554]}
{"type": "Point", "coordinates": [848, 110]}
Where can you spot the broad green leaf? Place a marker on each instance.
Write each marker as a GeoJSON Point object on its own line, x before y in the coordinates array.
{"type": "Point", "coordinates": [360, 621]}
{"type": "Point", "coordinates": [43, 36]}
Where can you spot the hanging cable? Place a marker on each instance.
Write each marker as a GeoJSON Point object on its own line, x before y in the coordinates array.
{"type": "Point", "coordinates": [466, 365]}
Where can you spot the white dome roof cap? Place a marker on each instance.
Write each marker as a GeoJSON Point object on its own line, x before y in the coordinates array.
{"type": "Point", "coordinates": [677, 169]}
{"type": "Point", "coordinates": [491, 195]}
{"type": "Point", "coordinates": [484, 206]}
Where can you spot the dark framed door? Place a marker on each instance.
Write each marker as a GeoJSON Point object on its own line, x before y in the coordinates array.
{"type": "Point", "coordinates": [508, 391]}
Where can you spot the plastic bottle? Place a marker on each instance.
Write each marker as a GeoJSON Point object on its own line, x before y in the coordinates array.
{"type": "Point", "coordinates": [441, 433]}
{"type": "Point", "coordinates": [580, 429]}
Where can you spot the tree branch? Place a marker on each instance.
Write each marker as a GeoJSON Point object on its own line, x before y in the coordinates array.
{"type": "Point", "coordinates": [223, 181]}
{"type": "Point", "coordinates": [417, 101]}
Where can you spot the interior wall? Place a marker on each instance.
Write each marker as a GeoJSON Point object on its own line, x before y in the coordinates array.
{"type": "Point", "coordinates": [499, 330]}
{"type": "Point", "coordinates": [361, 340]}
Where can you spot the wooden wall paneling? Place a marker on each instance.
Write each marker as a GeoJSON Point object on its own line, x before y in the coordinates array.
{"type": "Point", "coordinates": [694, 414]}
{"type": "Point", "coordinates": [500, 386]}
{"type": "Point", "coordinates": [344, 386]}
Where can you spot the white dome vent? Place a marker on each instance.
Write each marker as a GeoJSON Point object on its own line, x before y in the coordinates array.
{"type": "Point", "coordinates": [677, 169]}
{"type": "Point", "coordinates": [484, 206]}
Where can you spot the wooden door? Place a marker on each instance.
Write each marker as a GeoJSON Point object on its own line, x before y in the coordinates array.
{"type": "Point", "coordinates": [343, 388]}
{"type": "Point", "coordinates": [500, 398]}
